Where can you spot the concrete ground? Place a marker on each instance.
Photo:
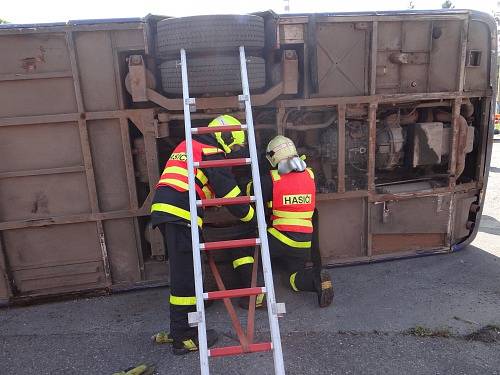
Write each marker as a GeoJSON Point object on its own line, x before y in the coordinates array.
{"type": "Point", "coordinates": [441, 299]}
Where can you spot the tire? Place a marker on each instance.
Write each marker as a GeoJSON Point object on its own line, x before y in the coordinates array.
{"type": "Point", "coordinates": [213, 75]}
{"type": "Point", "coordinates": [209, 33]}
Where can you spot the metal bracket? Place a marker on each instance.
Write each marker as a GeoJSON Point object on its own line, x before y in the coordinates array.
{"type": "Point", "coordinates": [191, 102]}
{"type": "Point", "coordinates": [136, 78]}
{"type": "Point", "coordinates": [243, 98]}
{"type": "Point", "coordinates": [194, 318]}
{"type": "Point", "coordinates": [279, 309]}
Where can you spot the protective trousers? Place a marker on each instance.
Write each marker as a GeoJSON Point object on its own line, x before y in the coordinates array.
{"type": "Point", "coordinates": [300, 277]}
{"type": "Point", "coordinates": [177, 238]}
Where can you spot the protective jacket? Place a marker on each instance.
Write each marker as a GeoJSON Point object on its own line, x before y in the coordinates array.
{"type": "Point", "coordinates": [291, 199]}
{"type": "Point", "coordinates": [171, 201]}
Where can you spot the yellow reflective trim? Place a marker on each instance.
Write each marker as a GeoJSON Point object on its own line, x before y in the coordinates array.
{"type": "Point", "coordinates": [259, 300]}
{"type": "Point", "coordinates": [207, 192]}
{"type": "Point", "coordinates": [173, 210]}
{"type": "Point", "coordinates": [190, 345]}
{"type": "Point", "coordinates": [288, 241]}
{"type": "Point", "coordinates": [270, 204]}
{"type": "Point", "coordinates": [211, 150]}
{"type": "Point", "coordinates": [182, 301]}
{"type": "Point", "coordinates": [183, 172]}
{"type": "Point", "coordinates": [249, 188]}
{"type": "Point", "coordinates": [233, 193]}
{"type": "Point", "coordinates": [201, 176]}
{"type": "Point", "coordinates": [249, 215]}
{"type": "Point", "coordinates": [292, 282]}
{"type": "Point", "coordinates": [300, 222]}
{"type": "Point", "coordinates": [176, 170]}
{"type": "Point", "coordinates": [241, 261]}
{"type": "Point", "coordinates": [173, 181]}
{"type": "Point", "coordinates": [275, 175]}
{"type": "Point", "coordinates": [293, 215]}
{"type": "Point", "coordinates": [311, 173]}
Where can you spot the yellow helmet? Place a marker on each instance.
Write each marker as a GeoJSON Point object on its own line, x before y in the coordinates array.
{"type": "Point", "coordinates": [228, 140]}
{"type": "Point", "coordinates": [280, 148]}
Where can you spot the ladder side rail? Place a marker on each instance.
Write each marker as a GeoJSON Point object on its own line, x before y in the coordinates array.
{"type": "Point", "coordinates": [279, 367]}
{"type": "Point", "coordinates": [195, 238]}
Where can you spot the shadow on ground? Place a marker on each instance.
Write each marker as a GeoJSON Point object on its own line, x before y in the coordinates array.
{"type": "Point", "coordinates": [489, 225]}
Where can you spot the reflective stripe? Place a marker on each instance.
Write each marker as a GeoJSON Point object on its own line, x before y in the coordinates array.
{"type": "Point", "coordinates": [190, 345]}
{"type": "Point", "coordinates": [207, 191]}
{"type": "Point", "coordinates": [270, 204]}
{"type": "Point", "coordinates": [299, 222]}
{"type": "Point", "coordinates": [210, 150]}
{"type": "Point", "coordinates": [176, 170]}
{"type": "Point", "coordinates": [233, 193]}
{"type": "Point", "coordinates": [183, 172]}
{"type": "Point", "coordinates": [275, 175]}
{"type": "Point", "coordinates": [249, 188]}
{"type": "Point", "coordinates": [173, 181]}
{"type": "Point", "coordinates": [288, 241]}
{"type": "Point", "coordinates": [293, 215]}
{"type": "Point", "coordinates": [173, 210]}
{"type": "Point", "coordinates": [311, 173]}
{"type": "Point", "coordinates": [241, 261]}
{"type": "Point", "coordinates": [182, 301]}
{"type": "Point", "coordinates": [249, 215]}
{"type": "Point", "coordinates": [292, 281]}
{"type": "Point", "coordinates": [201, 176]}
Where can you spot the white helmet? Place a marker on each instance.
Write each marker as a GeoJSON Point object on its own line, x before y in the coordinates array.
{"type": "Point", "coordinates": [280, 148]}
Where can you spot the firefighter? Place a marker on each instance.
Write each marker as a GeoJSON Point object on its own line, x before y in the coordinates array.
{"type": "Point", "coordinates": [289, 192]}
{"type": "Point", "coordinates": [170, 213]}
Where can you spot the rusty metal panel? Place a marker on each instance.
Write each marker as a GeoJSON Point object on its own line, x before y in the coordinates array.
{"type": "Point", "coordinates": [419, 215]}
{"type": "Point", "coordinates": [36, 197]}
{"type": "Point", "coordinates": [36, 97]}
{"type": "Point", "coordinates": [396, 243]}
{"type": "Point", "coordinates": [342, 54]}
{"type": "Point", "coordinates": [54, 259]}
{"type": "Point", "coordinates": [342, 228]}
{"type": "Point", "coordinates": [36, 53]}
{"type": "Point", "coordinates": [477, 62]}
{"type": "Point", "coordinates": [109, 164]}
{"type": "Point", "coordinates": [463, 204]}
{"type": "Point", "coordinates": [5, 292]}
{"type": "Point", "coordinates": [57, 145]}
{"type": "Point", "coordinates": [445, 56]}
{"type": "Point", "coordinates": [122, 250]}
{"type": "Point", "coordinates": [97, 74]}
{"type": "Point", "coordinates": [128, 39]}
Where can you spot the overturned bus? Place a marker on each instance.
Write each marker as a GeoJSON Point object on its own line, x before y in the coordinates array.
{"type": "Point", "coordinates": [394, 111]}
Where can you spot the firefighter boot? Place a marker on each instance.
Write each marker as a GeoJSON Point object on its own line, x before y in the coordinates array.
{"type": "Point", "coordinates": [324, 288]}
{"type": "Point", "coordinates": [190, 344]}
{"type": "Point", "coordinates": [260, 300]}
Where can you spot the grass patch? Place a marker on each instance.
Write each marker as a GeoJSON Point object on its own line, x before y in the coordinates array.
{"type": "Point", "coordinates": [420, 331]}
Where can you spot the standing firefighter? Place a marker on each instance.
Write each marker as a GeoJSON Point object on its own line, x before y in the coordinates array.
{"type": "Point", "coordinates": [290, 193]}
{"type": "Point", "coordinates": [170, 212]}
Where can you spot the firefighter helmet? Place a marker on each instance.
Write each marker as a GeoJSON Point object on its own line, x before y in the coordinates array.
{"type": "Point", "coordinates": [280, 148]}
{"type": "Point", "coordinates": [228, 140]}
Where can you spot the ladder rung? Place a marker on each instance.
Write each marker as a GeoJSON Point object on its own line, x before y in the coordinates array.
{"type": "Point", "coordinates": [222, 163]}
{"type": "Point", "coordinates": [217, 129]}
{"type": "Point", "coordinates": [225, 201]}
{"type": "Point", "coordinates": [234, 293]}
{"type": "Point", "coordinates": [235, 350]}
{"type": "Point", "coordinates": [229, 244]}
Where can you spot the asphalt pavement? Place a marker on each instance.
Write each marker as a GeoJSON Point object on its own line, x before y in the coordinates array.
{"type": "Point", "coordinates": [414, 316]}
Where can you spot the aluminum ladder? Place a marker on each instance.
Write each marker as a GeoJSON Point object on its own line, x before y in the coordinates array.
{"type": "Point", "coordinates": [274, 309]}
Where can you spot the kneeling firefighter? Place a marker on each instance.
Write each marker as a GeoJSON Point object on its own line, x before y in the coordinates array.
{"type": "Point", "coordinates": [170, 212]}
{"type": "Point", "coordinates": [290, 192]}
